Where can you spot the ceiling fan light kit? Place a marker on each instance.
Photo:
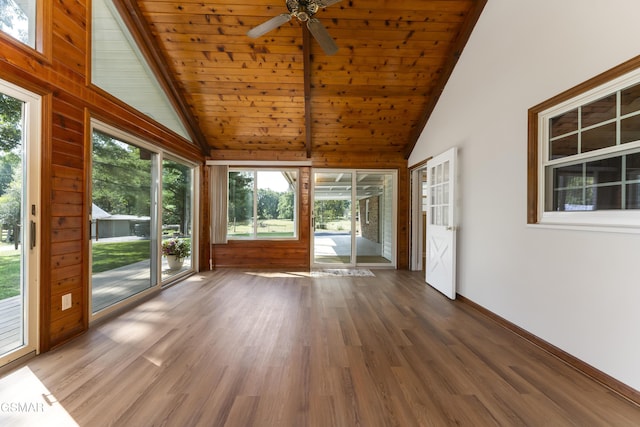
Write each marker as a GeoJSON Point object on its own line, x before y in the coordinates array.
{"type": "Point", "coordinates": [304, 11]}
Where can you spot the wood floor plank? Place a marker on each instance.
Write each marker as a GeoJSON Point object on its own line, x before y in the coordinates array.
{"type": "Point", "coordinates": [265, 348]}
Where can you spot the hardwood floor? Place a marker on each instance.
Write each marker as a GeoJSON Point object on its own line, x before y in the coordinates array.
{"type": "Point", "coordinates": [283, 349]}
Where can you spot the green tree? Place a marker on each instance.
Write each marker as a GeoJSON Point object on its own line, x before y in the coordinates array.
{"type": "Point", "coordinates": [11, 203]}
{"type": "Point", "coordinates": [176, 193]}
{"type": "Point", "coordinates": [286, 205]}
{"type": "Point", "coordinates": [10, 138]}
{"type": "Point", "coordinates": [10, 160]}
{"type": "Point", "coordinates": [13, 20]}
{"type": "Point", "coordinates": [240, 206]}
{"type": "Point", "coordinates": [267, 203]}
{"type": "Point", "coordinates": [121, 175]}
{"type": "Point", "coordinates": [329, 210]}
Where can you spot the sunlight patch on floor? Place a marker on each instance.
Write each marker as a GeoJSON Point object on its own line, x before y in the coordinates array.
{"type": "Point", "coordinates": [25, 401]}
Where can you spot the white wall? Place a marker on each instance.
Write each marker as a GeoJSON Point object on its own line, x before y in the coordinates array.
{"type": "Point", "coordinates": [578, 290]}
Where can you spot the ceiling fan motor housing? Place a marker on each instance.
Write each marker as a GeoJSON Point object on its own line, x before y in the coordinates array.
{"type": "Point", "coordinates": [302, 9]}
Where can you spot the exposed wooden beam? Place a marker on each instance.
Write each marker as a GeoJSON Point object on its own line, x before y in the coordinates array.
{"type": "Point", "coordinates": [306, 47]}
{"type": "Point", "coordinates": [141, 32]}
{"type": "Point", "coordinates": [465, 32]}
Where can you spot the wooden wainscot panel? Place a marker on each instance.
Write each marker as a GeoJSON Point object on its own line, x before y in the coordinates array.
{"type": "Point", "coordinates": [69, 35]}
{"type": "Point", "coordinates": [262, 254]}
{"type": "Point", "coordinates": [68, 323]}
{"type": "Point", "coordinates": [68, 179]}
{"type": "Point", "coordinates": [66, 197]}
{"type": "Point", "coordinates": [65, 235]}
{"type": "Point", "coordinates": [66, 279]}
{"type": "Point", "coordinates": [259, 155]}
{"type": "Point", "coordinates": [66, 248]}
{"type": "Point", "coordinates": [359, 160]}
{"type": "Point", "coordinates": [65, 260]}
{"type": "Point", "coordinates": [67, 327]}
{"type": "Point", "coordinates": [66, 209]}
{"type": "Point", "coordinates": [65, 153]}
{"type": "Point", "coordinates": [64, 222]}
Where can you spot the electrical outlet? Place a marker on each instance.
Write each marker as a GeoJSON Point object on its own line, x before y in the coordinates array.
{"type": "Point", "coordinates": [66, 301]}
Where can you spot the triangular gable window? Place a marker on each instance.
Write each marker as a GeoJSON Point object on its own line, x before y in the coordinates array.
{"type": "Point", "coordinates": [119, 68]}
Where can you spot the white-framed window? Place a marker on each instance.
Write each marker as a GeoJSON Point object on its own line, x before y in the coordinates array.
{"type": "Point", "coordinates": [588, 151]}
{"type": "Point", "coordinates": [262, 203]}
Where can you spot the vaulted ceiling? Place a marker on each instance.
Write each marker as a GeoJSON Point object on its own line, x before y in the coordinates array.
{"type": "Point", "coordinates": [282, 92]}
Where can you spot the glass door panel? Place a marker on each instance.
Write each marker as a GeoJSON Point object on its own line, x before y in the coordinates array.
{"type": "Point", "coordinates": [12, 290]}
{"type": "Point", "coordinates": [19, 113]}
{"type": "Point", "coordinates": [123, 226]}
{"type": "Point", "coordinates": [374, 218]}
{"type": "Point", "coordinates": [177, 218]}
{"type": "Point", "coordinates": [332, 213]}
{"type": "Point", "coordinates": [354, 217]}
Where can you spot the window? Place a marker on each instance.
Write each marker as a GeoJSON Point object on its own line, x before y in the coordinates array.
{"type": "Point", "coordinates": [119, 67]}
{"type": "Point", "coordinates": [18, 19]}
{"type": "Point", "coordinates": [588, 151]}
{"type": "Point", "coordinates": [262, 204]}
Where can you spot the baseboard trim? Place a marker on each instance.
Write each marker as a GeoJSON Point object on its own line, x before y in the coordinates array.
{"type": "Point", "coordinates": [606, 380]}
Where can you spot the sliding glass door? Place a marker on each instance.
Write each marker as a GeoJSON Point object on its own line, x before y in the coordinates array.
{"type": "Point", "coordinates": [354, 218]}
{"type": "Point", "coordinates": [19, 194]}
{"type": "Point", "coordinates": [142, 218]}
{"type": "Point", "coordinates": [123, 220]}
{"type": "Point", "coordinates": [375, 232]}
{"type": "Point", "coordinates": [332, 215]}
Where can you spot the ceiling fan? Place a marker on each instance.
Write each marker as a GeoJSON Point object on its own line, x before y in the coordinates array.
{"type": "Point", "coordinates": [304, 10]}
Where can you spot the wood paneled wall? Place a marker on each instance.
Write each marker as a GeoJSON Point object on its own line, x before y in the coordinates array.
{"type": "Point", "coordinates": [60, 73]}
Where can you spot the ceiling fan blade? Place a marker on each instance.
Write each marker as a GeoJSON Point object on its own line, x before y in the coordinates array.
{"type": "Point", "coordinates": [322, 36]}
{"type": "Point", "coordinates": [269, 25]}
{"type": "Point", "coordinates": [325, 3]}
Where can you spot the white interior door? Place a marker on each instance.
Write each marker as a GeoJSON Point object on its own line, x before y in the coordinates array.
{"type": "Point", "coordinates": [441, 227]}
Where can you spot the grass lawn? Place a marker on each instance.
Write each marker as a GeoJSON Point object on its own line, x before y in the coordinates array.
{"type": "Point", "coordinates": [266, 228]}
{"type": "Point", "coordinates": [107, 256]}
{"type": "Point", "coordinates": [9, 274]}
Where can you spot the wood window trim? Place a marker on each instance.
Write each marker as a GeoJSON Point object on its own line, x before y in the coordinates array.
{"type": "Point", "coordinates": [532, 131]}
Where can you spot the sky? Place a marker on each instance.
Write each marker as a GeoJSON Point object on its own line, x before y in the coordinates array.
{"type": "Point", "coordinates": [273, 180]}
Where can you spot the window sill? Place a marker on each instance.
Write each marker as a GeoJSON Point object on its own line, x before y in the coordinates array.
{"type": "Point", "coordinates": [601, 221]}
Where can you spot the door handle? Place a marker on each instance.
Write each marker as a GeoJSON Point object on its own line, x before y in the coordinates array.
{"type": "Point", "coordinates": [32, 235]}
{"type": "Point", "coordinates": [450, 228]}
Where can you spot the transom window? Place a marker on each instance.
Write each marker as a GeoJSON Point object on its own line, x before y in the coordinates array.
{"type": "Point", "coordinates": [18, 19]}
{"type": "Point", "coordinates": [588, 148]}
{"type": "Point", "coordinates": [262, 204]}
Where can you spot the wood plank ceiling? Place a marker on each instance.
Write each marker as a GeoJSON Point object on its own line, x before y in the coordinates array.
{"type": "Point", "coordinates": [281, 92]}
